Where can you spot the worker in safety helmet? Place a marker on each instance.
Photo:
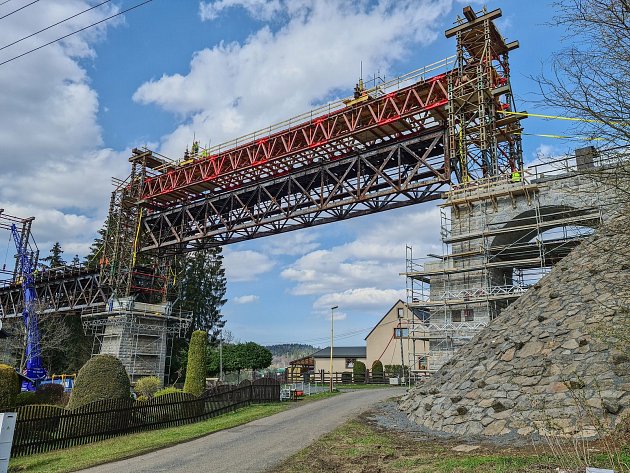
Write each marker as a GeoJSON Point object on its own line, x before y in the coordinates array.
{"type": "Point", "coordinates": [195, 148]}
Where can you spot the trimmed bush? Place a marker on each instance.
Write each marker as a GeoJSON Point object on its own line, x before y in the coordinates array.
{"type": "Point", "coordinates": [43, 420]}
{"type": "Point", "coordinates": [395, 371]}
{"type": "Point", "coordinates": [377, 371]}
{"type": "Point", "coordinates": [147, 386]}
{"type": "Point", "coordinates": [26, 398]}
{"type": "Point", "coordinates": [9, 387]}
{"type": "Point", "coordinates": [196, 368]}
{"type": "Point", "coordinates": [51, 394]}
{"type": "Point", "coordinates": [358, 372]}
{"type": "Point", "coordinates": [102, 377]}
{"type": "Point", "coordinates": [167, 390]}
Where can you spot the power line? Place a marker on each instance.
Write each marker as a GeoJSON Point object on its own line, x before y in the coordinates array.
{"type": "Point", "coordinates": [15, 11]}
{"type": "Point", "coordinates": [75, 32]}
{"type": "Point", "coordinates": [55, 24]}
{"type": "Point", "coordinates": [343, 335]}
{"type": "Point", "coordinates": [5, 1]}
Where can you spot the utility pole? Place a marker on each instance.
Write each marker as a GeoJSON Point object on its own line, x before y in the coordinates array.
{"type": "Point", "coordinates": [400, 332]}
{"type": "Point", "coordinates": [332, 337]}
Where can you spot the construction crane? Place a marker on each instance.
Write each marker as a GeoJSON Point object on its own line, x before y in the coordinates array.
{"type": "Point", "coordinates": [26, 263]}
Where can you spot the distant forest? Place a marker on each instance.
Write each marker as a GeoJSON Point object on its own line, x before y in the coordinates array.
{"type": "Point", "coordinates": [287, 352]}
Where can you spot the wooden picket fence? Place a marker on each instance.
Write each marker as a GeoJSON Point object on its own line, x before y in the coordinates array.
{"type": "Point", "coordinates": [41, 428]}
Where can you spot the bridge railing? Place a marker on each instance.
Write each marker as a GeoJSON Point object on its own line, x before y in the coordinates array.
{"type": "Point", "coordinates": [398, 83]}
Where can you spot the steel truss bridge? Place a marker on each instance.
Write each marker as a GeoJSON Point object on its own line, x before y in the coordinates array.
{"type": "Point", "coordinates": [400, 143]}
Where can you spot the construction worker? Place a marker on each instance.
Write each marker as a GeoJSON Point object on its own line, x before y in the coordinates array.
{"type": "Point", "coordinates": [359, 89]}
{"type": "Point", "coordinates": [195, 148]}
{"type": "Point", "coordinates": [516, 175]}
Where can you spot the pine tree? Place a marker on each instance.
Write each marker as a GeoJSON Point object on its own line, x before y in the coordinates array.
{"type": "Point", "coordinates": [203, 290]}
{"type": "Point", "coordinates": [92, 258]}
{"type": "Point", "coordinates": [54, 259]}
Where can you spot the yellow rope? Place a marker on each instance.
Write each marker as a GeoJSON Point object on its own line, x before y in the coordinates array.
{"type": "Point", "coordinates": [135, 243]}
{"type": "Point", "coordinates": [558, 117]}
{"type": "Point", "coordinates": [563, 137]}
{"type": "Point", "coordinates": [96, 254]}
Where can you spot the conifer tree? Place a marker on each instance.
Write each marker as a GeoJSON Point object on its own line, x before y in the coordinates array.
{"type": "Point", "coordinates": [54, 259]}
{"type": "Point", "coordinates": [203, 290]}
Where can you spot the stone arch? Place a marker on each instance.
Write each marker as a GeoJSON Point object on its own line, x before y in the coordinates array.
{"type": "Point", "coordinates": [522, 246]}
{"type": "Point", "coordinates": [550, 217]}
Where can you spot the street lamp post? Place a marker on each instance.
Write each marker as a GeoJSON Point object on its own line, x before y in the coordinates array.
{"type": "Point", "coordinates": [332, 336]}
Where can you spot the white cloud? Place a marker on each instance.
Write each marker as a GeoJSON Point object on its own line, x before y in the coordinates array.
{"type": "Point", "coordinates": [293, 243]}
{"type": "Point", "coordinates": [248, 299]}
{"type": "Point", "coordinates": [259, 9]}
{"type": "Point", "coordinates": [235, 88]}
{"type": "Point", "coordinates": [51, 162]}
{"type": "Point", "coordinates": [360, 299]}
{"type": "Point", "coordinates": [373, 259]}
{"type": "Point", "coordinates": [245, 265]}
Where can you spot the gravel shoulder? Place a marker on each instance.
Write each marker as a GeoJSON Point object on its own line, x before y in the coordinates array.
{"type": "Point", "coordinates": [259, 445]}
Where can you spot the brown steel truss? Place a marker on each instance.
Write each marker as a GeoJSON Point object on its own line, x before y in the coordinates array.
{"type": "Point", "coordinates": [59, 290]}
{"type": "Point", "coordinates": [396, 175]}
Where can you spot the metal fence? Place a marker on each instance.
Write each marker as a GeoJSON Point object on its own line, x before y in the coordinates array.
{"type": "Point", "coordinates": [41, 428]}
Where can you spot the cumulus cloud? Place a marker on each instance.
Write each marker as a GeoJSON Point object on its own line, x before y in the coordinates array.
{"type": "Point", "coordinates": [373, 259]}
{"type": "Point", "coordinates": [360, 299]}
{"type": "Point", "coordinates": [293, 243]}
{"type": "Point", "coordinates": [245, 265]}
{"type": "Point", "coordinates": [53, 166]}
{"type": "Point", "coordinates": [233, 88]}
{"type": "Point", "coordinates": [248, 299]}
{"type": "Point", "coordinates": [259, 9]}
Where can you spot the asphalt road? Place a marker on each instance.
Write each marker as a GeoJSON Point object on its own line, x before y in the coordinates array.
{"type": "Point", "coordinates": [259, 445]}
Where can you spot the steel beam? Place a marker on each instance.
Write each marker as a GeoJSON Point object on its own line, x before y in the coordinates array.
{"type": "Point", "coordinates": [407, 172]}
{"type": "Point", "coordinates": [57, 291]}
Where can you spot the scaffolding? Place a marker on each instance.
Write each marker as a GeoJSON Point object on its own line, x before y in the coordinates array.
{"type": "Point", "coordinates": [497, 241]}
{"type": "Point", "coordinates": [139, 334]}
{"type": "Point", "coordinates": [481, 141]}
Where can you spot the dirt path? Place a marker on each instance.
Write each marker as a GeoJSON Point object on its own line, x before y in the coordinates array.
{"type": "Point", "coordinates": [259, 445]}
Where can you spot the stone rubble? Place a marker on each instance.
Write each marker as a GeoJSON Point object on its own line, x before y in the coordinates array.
{"type": "Point", "coordinates": [552, 364]}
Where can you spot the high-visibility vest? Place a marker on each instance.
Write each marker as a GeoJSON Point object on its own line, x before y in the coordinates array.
{"type": "Point", "coordinates": [516, 176]}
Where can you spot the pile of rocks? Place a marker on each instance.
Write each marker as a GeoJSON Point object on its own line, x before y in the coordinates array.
{"type": "Point", "coordinates": [556, 362]}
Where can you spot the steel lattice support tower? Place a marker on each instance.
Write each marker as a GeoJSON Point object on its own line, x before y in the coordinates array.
{"type": "Point", "coordinates": [481, 141]}
{"type": "Point", "coordinates": [121, 268]}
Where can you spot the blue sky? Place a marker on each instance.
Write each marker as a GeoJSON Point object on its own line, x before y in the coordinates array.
{"type": "Point", "coordinates": [171, 69]}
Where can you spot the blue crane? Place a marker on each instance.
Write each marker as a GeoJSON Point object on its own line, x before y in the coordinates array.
{"type": "Point", "coordinates": [32, 354]}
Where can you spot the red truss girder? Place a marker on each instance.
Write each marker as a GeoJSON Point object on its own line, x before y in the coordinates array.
{"type": "Point", "coordinates": [328, 137]}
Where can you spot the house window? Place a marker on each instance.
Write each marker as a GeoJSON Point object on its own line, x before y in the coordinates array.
{"type": "Point", "coordinates": [350, 362]}
{"type": "Point", "coordinates": [469, 315]}
{"type": "Point", "coordinates": [422, 362]}
{"type": "Point", "coordinates": [401, 332]}
{"type": "Point", "coordinates": [456, 315]}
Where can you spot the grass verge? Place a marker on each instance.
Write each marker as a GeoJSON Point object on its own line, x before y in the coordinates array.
{"type": "Point", "coordinates": [357, 447]}
{"type": "Point", "coordinates": [126, 446]}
